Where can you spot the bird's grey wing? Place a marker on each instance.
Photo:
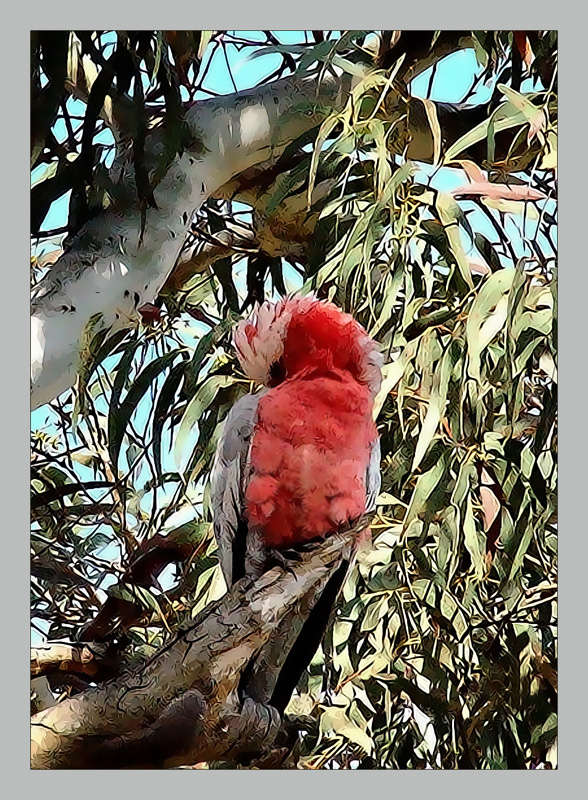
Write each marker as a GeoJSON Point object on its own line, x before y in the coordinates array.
{"type": "Point", "coordinates": [373, 481]}
{"type": "Point", "coordinates": [227, 484]}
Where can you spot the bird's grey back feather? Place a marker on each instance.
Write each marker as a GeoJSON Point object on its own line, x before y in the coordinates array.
{"type": "Point", "coordinates": [373, 481]}
{"type": "Point", "coordinates": [229, 476]}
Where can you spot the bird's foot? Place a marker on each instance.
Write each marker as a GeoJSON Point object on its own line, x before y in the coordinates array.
{"type": "Point", "coordinates": [282, 558]}
{"type": "Point", "coordinates": [292, 555]}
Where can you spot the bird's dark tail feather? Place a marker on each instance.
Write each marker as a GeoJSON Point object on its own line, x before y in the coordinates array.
{"type": "Point", "coordinates": [239, 547]}
{"type": "Point", "coordinates": [308, 640]}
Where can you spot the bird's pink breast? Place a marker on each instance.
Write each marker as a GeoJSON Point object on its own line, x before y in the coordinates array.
{"type": "Point", "coordinates": [309, 457]}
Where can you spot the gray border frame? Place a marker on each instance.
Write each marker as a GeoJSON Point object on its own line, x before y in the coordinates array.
{"type": "Point", "coordinates": [15, 403]}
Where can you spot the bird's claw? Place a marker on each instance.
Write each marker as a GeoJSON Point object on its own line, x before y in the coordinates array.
{"type": "Point", "coordinates": [283, 559]}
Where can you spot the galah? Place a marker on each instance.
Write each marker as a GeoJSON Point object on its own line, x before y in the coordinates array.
{"type": "Point", "coordinates": [299, 459]}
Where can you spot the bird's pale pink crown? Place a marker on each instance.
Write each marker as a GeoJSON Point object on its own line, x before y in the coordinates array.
{"type": "Point", "coordinates": [304, 334]}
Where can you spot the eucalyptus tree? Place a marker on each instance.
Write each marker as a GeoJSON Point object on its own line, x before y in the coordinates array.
{"type": "Point", "coordinates": [434, 224]}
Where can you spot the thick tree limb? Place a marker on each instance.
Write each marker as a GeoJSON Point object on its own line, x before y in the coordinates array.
{"type": "Point", "coordinates": [116, 264]}
{"type": "Point", "coordinates": [289, 228]}
{"type": "Point", "coordinates": [195, 679]}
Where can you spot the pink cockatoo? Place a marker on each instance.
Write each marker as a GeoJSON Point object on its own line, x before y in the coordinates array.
{"type": "Point", "coordinates": [299, 459]}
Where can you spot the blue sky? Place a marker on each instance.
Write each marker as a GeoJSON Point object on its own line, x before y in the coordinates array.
{"type": "Point", "coordinates": [451, 82]}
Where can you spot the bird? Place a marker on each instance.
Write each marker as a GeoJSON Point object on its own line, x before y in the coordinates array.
{"type": "Point", "coordinates": [299, 459]}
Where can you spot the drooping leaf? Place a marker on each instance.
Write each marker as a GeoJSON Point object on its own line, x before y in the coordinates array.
{"type": "Point", "coordinates": [474, 539]}
{"type": "Point", "coordinates": [450, 216]}
{"type": "Point", "coordinates": [506, 116]}
{"type": "Point", "coordinates": [197, 405]}
{"type": "Point", "coordinates": [120, 416]}
{"type": "Point", "coordinates": [487, 316]}
{"type": "Point", "coordinates": [435, 409]}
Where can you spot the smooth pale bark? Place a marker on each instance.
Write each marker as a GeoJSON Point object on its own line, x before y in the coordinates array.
{"type": "Point", "coordinates": [62, 658]}
{"type": "Point", "coordinates": [111, 271]}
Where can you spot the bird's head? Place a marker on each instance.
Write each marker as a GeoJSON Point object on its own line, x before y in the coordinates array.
{"type": "Point", "coordinates": [301, 333]}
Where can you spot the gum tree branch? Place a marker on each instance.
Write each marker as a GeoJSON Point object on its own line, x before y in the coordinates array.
{"type": "Point", "coordinates": [184, 705]}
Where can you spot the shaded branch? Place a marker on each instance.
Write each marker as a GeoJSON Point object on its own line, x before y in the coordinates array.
{"type": "Point", "coordinates": [41, 695]}
{"type": "Point", "coordinates": [420, 49]}
{"type": "Point", "coordinates": [198, 257]}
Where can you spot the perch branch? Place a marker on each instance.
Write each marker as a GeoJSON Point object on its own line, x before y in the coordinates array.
{"type": "Point", "coordinates": [141, 717]}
